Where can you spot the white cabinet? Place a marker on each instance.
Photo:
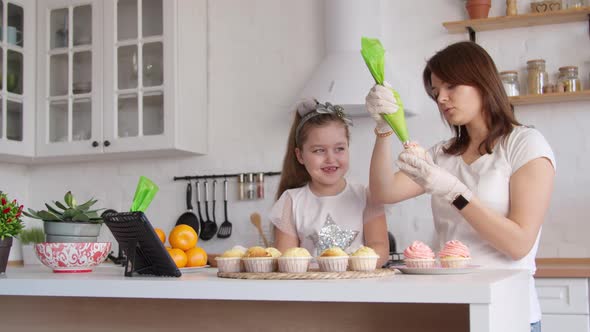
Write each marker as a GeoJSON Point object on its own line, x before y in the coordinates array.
{"type": "Point", "coordinates": [564, 304]}
{"type": "Point", "coordinates": [17, 79]}
{"type": "Point", "coordinates": [126, 77]}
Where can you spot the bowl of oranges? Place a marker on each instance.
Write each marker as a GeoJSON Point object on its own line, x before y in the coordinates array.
{"type": "Point", "coordinates": [182, 247]}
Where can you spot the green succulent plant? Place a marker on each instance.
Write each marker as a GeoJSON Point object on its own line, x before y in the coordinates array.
{"type": "Point", "coordinates": [71, 211]}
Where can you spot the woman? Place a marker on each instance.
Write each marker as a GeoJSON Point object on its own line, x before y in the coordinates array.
{"type": "Point", "coordinates": [491, 183]}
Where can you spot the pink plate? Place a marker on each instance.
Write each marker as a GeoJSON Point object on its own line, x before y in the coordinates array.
{"type": "Point", "coordinates": [72, 257]}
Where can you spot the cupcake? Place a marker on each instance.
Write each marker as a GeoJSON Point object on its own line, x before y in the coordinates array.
{"type": "Point", "coordinates": [364, 259]}
{"type": "Point", "coordinates": [259, 259]}
{"type": "Point", "coordinates": [231, 260]}
{"type": "Point", "coordinates": [454, 254]}
{"type": "Point", "coordinates": [333, 260]}
{"type": "Point", "coordinates": [419, 255]}
{"type": "Point", "coordinates": [294, 260]}
{"type": "Point", "coordinates": [275, 254]}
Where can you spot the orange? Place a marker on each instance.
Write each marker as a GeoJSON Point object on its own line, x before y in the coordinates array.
{"type": "Point", "coordinates": [196, 257]}
{"type": "Point", "coordinates": [183, 237]}
{"type": "Point", "coordinates": [178, 256]}
{"type": "Point", "coordinates": [161, 234]}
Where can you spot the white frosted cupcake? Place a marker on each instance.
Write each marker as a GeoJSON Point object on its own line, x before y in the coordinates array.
{"type": "Point", "coordinates": [231, 260]}
{"type": "Point", "coordinates": [454, 255]}
{"type": "Point", "coordinates": [294, 260]}
{"type": "Point", "coordinates": [419, 255]}
{"type": "Point", "coordinates": [364, 259]}
{"type": "Point", "coordinates": [333, 260]}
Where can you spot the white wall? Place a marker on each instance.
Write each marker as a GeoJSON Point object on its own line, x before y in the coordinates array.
{"type": "Point", "coordinates": [262, 52]}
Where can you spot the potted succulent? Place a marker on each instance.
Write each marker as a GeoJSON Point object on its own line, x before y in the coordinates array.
{"type": "Point", "coordinates": [11, 225]}
{"type": "Point", "coordinates": [28, 238]}
{"type": "Point", "coordinates": [74, 223]}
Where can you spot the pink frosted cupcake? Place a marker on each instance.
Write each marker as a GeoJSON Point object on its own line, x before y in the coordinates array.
{"type": "Point", "coordinates": [454, 254]}
{"type": "Point", "coordinates": [419, 255]}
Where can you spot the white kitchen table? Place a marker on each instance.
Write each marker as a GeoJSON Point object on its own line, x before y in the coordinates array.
{"type": "Point", "coordinates": [35, 299]}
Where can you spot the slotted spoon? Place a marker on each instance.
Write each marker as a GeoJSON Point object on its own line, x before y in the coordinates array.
{"type": "Point", "coordinates": [225, 227]}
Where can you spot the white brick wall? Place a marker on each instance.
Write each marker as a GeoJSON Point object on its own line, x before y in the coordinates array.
{"type": "Point", "coordinates": [260, 59]}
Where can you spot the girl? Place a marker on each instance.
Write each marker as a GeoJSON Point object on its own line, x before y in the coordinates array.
{"type": "Point", "coordinates": [491, 183]}
{"type": "Point", "coordinates": [316, 207]}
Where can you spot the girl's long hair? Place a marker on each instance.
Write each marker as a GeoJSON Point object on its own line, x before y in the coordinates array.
{"type": "Point", "coordinates": [294, 174]}
{"type": "Point", "coordinates": [466, 63]}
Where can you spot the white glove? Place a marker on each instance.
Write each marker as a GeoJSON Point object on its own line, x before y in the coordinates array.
{"type": "Point", "coordinates": [431, 177]}
{"type": "Point", "coordinates": [381, 100]}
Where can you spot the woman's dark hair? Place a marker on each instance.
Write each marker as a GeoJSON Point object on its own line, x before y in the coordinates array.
{"type": "Point", "coordinates": [293, 174]}
{"type": "Point", "coordinates": [466, 63]}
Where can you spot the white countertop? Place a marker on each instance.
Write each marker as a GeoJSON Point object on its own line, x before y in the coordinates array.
{"type": "Point", "coordinates": [108, 281]}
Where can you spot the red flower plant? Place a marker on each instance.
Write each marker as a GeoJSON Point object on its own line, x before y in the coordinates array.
{"type": "Point", "coordinates": [11, 223]}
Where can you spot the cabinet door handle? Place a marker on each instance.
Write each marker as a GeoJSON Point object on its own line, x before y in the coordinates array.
{"type": "Point", "coordinates": [106, 143]}
{"type": "Point", "coordinates": [94, 144]}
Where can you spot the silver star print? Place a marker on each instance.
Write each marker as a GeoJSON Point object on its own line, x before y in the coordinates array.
{"type": "Point", "coordinates": [332, 235]}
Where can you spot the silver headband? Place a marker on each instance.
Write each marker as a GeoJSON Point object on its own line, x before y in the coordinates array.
{"type": "Point", "coordinates": [307, 111]}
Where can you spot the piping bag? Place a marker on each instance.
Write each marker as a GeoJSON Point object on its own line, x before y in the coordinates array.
{"type": "Point", "coordinates": [144, 194]}
{"type": "Point", "coordinates": [374, 55]}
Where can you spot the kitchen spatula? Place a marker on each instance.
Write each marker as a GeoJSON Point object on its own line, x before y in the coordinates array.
{"type": "Point", "coordinates": [225, 228]}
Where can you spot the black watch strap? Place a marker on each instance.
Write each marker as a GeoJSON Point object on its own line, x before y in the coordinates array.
{"type": "Point", "coordinates": [460, 202]}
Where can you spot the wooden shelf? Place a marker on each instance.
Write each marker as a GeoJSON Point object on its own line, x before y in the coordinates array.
{"type": "Point", "coordinates": [558, 97]}
{"type": "Point", "coordinates": [519, 21]}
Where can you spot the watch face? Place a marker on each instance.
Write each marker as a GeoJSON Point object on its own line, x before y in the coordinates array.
{"type": "Point", "coordinates": [460, 202]}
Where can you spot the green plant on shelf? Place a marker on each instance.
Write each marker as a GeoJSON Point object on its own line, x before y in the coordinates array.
{"type": "Point", "coordinates": [71, 211]}
{"type": "Point", "coordinates": [32, 235]}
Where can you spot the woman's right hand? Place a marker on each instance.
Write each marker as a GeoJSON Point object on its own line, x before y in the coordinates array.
{"type": "Point", "coordinates": [381, 100]}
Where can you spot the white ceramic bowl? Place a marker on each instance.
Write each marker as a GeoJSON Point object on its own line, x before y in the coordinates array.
{"type": "Point", "coordinates": [72, 257]}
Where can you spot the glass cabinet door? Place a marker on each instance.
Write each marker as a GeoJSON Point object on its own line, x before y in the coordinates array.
{"type": "Point", "coordinates": [12, 43]}
{"type": "Point", "coordinates": [139, 68]}
{"type": "Point", "coordinates": [69, 60]}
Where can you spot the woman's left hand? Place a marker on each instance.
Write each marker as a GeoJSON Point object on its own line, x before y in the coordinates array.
{"type": "Point", "coordinates": [431, 177]}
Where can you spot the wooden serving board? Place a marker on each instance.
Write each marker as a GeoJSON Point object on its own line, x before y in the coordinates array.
{"type": "Point", "coordinates": [310, 275]}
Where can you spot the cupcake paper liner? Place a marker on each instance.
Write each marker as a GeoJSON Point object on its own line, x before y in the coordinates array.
{"type": "Point", "coordinates": [293, 264]}
{"type": "Point", "coordinates": [333, 264]}
{"type": "Point", "coordinates": [229, 264]}
{"type": "Point", "coordinates": [259, 264]}
{"type": "Point", "coordinates": [454, 262]}
{"type": "Point", "coordinates": [363, 263]}
{"type": "Point", "coordinates": [419, 263]}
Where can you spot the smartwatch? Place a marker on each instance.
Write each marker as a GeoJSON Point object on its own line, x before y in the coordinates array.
{"type": "Point", "coordinates": [460, 202]}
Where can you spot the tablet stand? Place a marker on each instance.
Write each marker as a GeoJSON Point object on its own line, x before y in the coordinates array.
{"type": "Point", "coordinates": [144, 252]}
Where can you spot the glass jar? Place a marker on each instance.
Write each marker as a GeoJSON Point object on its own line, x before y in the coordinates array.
{"type": "Point", "coordinates": [510, 82]}
{"type": "Point", "coordinates": [575, 3]}
{"type": "Point", "coordinates": [568, 78]}
{"type": "Point", "coordinates": [537, 76]}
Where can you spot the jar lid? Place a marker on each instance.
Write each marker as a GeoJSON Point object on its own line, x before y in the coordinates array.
{"type": "Point", "coordinates": [509, 72]}
{"type": "Point", "coordinates": [566, 68]}
{"type": "Point", "coordinates": [536, 61]}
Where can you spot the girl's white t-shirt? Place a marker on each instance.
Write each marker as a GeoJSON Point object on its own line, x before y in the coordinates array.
{"type": "Point", "coordinates": [488, 178]}
{"type": "Point", "coordinates": [301, 213]}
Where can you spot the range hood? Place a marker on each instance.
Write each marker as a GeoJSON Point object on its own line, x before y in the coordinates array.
{"type": "Point", "coordinates": [342, 77]}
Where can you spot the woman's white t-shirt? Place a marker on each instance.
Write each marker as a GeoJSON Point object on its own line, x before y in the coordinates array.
{"type": "Point", "coordinates": [302, 213]}
{"type": "Point", "coordinates": [488, 178]}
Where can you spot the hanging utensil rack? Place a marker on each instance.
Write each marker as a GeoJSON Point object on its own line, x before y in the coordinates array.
{"type": "Point", "coordinates": [217, 176]}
